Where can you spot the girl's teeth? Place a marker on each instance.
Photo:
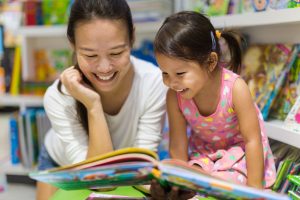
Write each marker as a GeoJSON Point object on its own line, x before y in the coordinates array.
{"type": "Point", "coordinates": [180, 90]}
{"type": "Point", "coordinates": [105, 78]}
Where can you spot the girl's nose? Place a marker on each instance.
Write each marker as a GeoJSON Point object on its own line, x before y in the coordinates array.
{"type": "Point", "coordinates": [173, 84]}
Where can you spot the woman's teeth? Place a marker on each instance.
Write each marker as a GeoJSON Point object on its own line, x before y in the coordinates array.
{"type": "Point", "coordinates": [105, 78]}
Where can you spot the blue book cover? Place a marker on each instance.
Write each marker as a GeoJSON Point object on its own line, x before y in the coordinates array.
{"type": "Point", "coordinates": [14, 140]}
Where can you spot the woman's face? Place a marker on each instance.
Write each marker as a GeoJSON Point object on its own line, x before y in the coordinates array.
{"type": "Point", "coordinates": [102, 50]}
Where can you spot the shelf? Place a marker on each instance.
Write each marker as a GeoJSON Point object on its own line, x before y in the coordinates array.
{"type": "Point", "coordinates": [61, 30]}
{"type": "Point", "coordinates": [270, 17]}
{"type": "Point", "coordinates": [21, 100]}
{"type": "Point", "coordinates": [18, 169]}
{"type": "Point", "coordinates": [42, 31]}
{"type": "Point", "coordinates": [278, 131]}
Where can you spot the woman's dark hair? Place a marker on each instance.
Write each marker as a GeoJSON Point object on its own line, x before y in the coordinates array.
{"type": "Point", "coordinates": [86, 10]}
{"type": "Point", "coordinates": [190, 35]}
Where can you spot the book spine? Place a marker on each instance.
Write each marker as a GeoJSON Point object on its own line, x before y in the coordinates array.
{"type": "Point", "coordinates": [16, 73]}
{"type": "Point", "coordinates": [14, 141]}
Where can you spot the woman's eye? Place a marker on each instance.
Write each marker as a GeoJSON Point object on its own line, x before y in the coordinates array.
{"type": "Point", "coordinates": [91, 56]}
{"type": "Point", "coordinates": [116, 54]}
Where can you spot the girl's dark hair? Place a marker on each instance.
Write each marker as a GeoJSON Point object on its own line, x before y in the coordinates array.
{"type": "Point", "coordinates": [86, 10]}
{"type": "Point", "coordinates": [190, 35]}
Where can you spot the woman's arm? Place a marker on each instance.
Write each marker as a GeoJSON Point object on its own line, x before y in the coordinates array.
{"type": "Point", "coordinates": [250, 130]}
{"type": "Point", "coordinates": [177, 125]}
{"type": "Point", "coordinates": [99, 140]}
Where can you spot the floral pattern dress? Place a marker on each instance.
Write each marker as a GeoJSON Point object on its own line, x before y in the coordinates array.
{"type": "Point", "coordinates": [216, 143]}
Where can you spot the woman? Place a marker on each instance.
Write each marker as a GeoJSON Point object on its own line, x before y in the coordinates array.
{"type": "Point", "coordinates": [109, 99]}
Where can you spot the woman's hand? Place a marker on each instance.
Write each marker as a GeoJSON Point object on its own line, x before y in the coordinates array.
{"type": "Point", "coordinates": [71, 78]}
{"type": "Point", "coordinates": [174, 193]}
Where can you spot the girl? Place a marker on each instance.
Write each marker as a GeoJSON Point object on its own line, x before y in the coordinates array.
{"type": "Point", "coordinates": [228, 139]}
{"type": "Point", "coordinates": [109, 100]}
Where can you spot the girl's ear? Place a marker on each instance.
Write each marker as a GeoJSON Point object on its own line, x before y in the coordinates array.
{"type": "Point", "coordinates": [212, 61]}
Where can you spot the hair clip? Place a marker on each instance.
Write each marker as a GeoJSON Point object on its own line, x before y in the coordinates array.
{"type": "Point", "coordinates": [218, 34]}
{"type": "Point", "coordinates": [213, 41]}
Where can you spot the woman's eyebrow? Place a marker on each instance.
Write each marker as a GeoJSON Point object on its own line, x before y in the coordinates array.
{"type": "Point", "coordinates": [115, 47]}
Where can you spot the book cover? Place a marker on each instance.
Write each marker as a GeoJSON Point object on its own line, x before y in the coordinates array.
{"type": "Point", "coordinates": [264, 69]}
{"type": "Point", "coordinates": [124, 167]}
{"type": "Point", "coordinates": [292, 120]}
{"type": "Point", "coordinates": [23, 141]}
{"type": "Point", "coordinates": [294, 192]}
{"type": "Point", "coordinates": [14, 139]}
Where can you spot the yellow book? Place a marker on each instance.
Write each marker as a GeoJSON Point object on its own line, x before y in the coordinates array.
{"type": "Point", "coordinates": [16, 73]}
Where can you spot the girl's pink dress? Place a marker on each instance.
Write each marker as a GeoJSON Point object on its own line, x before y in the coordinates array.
{"type": "Point", "coordinates": [216, 143]}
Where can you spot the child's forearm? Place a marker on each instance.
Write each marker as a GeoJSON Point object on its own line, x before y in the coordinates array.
{"type": "Point", "coordinates": [255, 164]}
{"type": "Point", "coordinates": [179, 152]}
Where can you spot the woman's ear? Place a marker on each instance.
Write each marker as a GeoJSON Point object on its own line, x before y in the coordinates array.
{"type": "Point", "coordinates": [212, 61]}
{"type": "Point", "coordinates": [133, 37]}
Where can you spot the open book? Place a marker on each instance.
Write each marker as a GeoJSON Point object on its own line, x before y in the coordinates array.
{"type": "Point", "coordinates": [136, 166]}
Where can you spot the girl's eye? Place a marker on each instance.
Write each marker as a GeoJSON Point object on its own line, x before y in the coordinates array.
{"type": "Point", "coordinates": [164, 73]}
{"type": "Point", "coordinates": [180, 73]}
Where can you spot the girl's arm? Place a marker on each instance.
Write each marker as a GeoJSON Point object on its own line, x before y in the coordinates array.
{"type": "Point", "coordinates": [250, 130]}
{"type": "Point", "coordinates": [99, 140]}
{"type": "Point", "coordinates": [178, 137]}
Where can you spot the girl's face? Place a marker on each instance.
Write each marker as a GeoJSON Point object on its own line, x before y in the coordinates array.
{"type": "Point", "coordinates": [187, 78]}
{"type": "Point", "coordinates": [102, 50]}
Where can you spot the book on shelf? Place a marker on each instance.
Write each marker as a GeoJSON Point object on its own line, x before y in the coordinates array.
{"type": "Point", "coordinates": [265, 68]}
{"type": "Point", "coordinates": [288, 93]}
{"type": "Point", "coordinates": [292, 120]}
{"type": "Point", "coordinates": [294, 191]}
{"type": "Point", "coordinates": [138, 166]}
{"type": "Point", "coordinates": [28, 129]}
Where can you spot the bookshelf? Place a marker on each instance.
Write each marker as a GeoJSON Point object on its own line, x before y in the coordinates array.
{"type": "Point", "coordinates": [54, 37]}
{"type": "Point", "coordinates": [21, 101]}
{"type": "Point", "coordinates": [278, 131]}
{"type": "Point", "coordinates": [272, 26]}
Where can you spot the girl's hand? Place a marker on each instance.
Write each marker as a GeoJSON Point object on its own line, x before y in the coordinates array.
{"type": "Point", "coordinates": [71, 78]}
{"type": "Point", "coordinates": [174, 193]}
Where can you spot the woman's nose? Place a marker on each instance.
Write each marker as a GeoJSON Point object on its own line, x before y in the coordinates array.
{"type": "Point", "coordinates": [104, 66]}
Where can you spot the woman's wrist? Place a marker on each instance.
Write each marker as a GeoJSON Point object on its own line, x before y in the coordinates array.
{"type": "Point", "coordinates": [96, 108]}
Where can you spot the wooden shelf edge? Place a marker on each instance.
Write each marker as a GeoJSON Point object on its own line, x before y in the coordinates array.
{"type": "Point", "coordinates": [61, 30]}
{"type": "Point", "coordinates": [9, 169]}
{"type": "Point", "coordinates": [269, 17]}
{"type": "Point", "coordinates": [21, 100]}
{"type": "Point", "coordinates": [278, 131]}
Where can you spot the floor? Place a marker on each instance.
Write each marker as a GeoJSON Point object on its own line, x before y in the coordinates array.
{"type": "Point", "coordinates": [18, 191]}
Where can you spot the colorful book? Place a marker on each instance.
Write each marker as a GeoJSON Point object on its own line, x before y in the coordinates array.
{"type": "Point", "coordinates": [292, 121]}
{"type": "Point", "coordinates": [137, 166]}
{"type": "Point", "coordinates": [265, 68]}
{"type": "Point", "coordinates": [14, 139]}
{"type": "Point", "coordinates": [282, 174]}
{"type": "Point", "coordinates": [294, 192]}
